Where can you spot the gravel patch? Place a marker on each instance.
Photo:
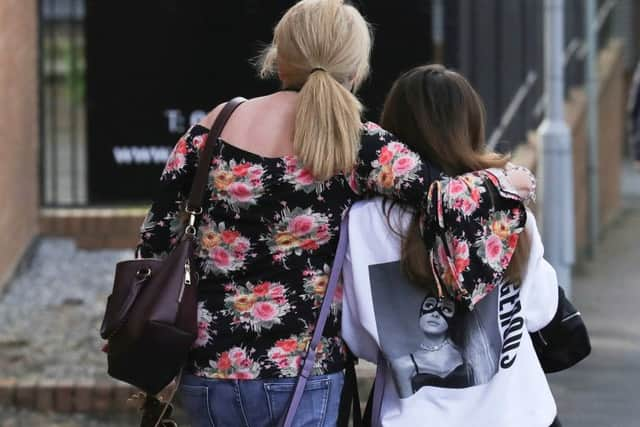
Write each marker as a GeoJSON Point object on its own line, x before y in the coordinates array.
{"type": "Point", "coordinates": [50, 314]}
{"type": "Point", "coordinates": [11, 417]}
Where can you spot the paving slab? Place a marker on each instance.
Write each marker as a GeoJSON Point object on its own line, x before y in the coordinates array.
{"type": "Point", "coordinates": [602, 391]}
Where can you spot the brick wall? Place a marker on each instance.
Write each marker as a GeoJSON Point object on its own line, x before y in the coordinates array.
{"type": "Point", "coordinates": [18, 131]}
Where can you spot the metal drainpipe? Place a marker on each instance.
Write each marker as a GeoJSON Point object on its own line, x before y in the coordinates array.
{"type": "Point", "coordinates": [558, 226]}
{"type": "Point", "coordinates": [437, 30]}
{"type": "Point", "coordinates": [591, 74]}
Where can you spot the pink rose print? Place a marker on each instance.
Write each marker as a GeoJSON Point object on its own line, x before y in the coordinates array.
{"type": "Point", "coordinates": [236, 354]}
{"type": "Point", "coordinates": [300, 177]}
{"type": "Point", "coordinates": [220, 257]}
{"type": "Point", "coordinates": [221, 249]}
{"type": "Point", "coordinates": [200, 141]}
{"type": "Point", "coordinates": [238, 184]}
{"type": "Point", "coordinates": [181, 148]}
{"type": "Point", "coordinates": [289, 345]}
{"type": "Point", "coordinates": [242, 246]}
{"type": "Point", "coordinates": [461, 250]}
{"type": "Point", "coordinates": [229, 236]}
{"type": "Point", "coordinates": [204, 321]}
{"type": "Point", "coordinates": [385, 156]}
{"type": "Point", "coordinates": [256, 171]}
{"type": "Point", "coordinates": [403, 165]}
{"type": "Point", "coordinates": [493, 248]}
{"type": "Point", "coordinates": [337, 296]}
{"type": "Point", "coordinates": [239, 191]}
{"type": "Point", "coordinates": [398, 148]}
{"type": "Point", "coordinates": [291, 164]}
{"type": "Point", "coordinates": [475, 194]}
{"type": "Point", "coordinates": [277, 353]}
{"type": "Point", "coordinates": [467, 207]}
{"type": "Point", "coordinates": [257, 307]}
{"type": "Point", "coordinates": [264, 311]}
{"type": "Point", "coordinates": [203, 336]}
{"type": "Point", "coordinates": [175, 162]}
{"type": "Point", "coordinates": [309, 245]}
{"type": "Point", "coordinates": [241, 169]}
{"type": "Point", "coordinates": [283, 363]}
{"type": "Point", "coordinates": [262, 289]}
{"type": "Point", "coordinates": [353, 182]}
{"type": "Point", "coordinates": [297, 231]}
{"type": "Point", "coordinates": [372, 126]}
{"type": "Point", "coordinates": [305, 177]}
{"type": "Point", "coordinates": [277, 292]}
{"type": "Point", "coordinates": [224, 363]}
{"type": "Point", "coordinates": [504, 262]}
{"type": "Point", "coordinates": [323, 235]}
{"type": "Point", "coordinates": [457, 187]}
{"type": "Point", "coordinates": [301, 225]}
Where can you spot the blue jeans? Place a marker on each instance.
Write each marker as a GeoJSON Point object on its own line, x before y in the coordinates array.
{"type": "Point", "coordinates": [259, 403]}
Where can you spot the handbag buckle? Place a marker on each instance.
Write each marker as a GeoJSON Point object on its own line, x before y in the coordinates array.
{"type": "Point", "coordinates": [191, 228]}
{"type": "Point", "coordinates": [190, 211]}
{"type": "Point", "coordinates": [143, 273]}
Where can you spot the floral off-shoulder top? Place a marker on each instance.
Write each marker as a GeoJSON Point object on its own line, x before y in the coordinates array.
{"type": "Point", "coordinates": [266, 241]}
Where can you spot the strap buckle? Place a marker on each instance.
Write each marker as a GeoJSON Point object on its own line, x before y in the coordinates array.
{"type": "Point", "coordinates": [190, 211]}
{"type": "Point", "coordinates": [191, 228]}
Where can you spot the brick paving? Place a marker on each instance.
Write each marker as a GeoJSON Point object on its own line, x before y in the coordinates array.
{"type": "Point", "coordinates": [602, 391]}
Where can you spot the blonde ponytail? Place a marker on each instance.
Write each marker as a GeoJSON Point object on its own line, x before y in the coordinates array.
{"type": "Point", "coordinates": [323, 48]}
{"type": "Point", "coordinates": [327, 128]}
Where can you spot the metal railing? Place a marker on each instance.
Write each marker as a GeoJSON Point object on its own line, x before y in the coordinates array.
{"type": "Point", "coordinates": [62, 103]}
{"type": "Point", "coordinates": [575, 54]}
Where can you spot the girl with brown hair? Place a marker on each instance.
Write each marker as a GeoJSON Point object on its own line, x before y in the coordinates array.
{"type": "Point", "coordinates": [479, 283]}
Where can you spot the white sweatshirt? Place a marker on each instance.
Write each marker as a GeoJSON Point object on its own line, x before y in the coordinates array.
{"type": "Point", "coordinates": [488, 376]}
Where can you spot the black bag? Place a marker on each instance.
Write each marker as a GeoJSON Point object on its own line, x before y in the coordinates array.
{"type": "Point", "coordinates": [150, 319]}
{"type": "Point", "coordinates": [565, 340]}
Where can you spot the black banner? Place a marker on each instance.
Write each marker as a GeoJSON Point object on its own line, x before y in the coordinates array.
{"type": "Point", "coordinates": [154, 68]}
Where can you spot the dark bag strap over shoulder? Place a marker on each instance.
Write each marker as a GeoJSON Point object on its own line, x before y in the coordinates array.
{"type": "Point", "coordinates": [349, 409]}
{"type": "Point", "coordinates": [194, 205]}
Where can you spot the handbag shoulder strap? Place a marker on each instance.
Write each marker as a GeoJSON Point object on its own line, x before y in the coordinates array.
{"type": "Point", "coordinates": [378, 391]}
{"type": "Point", "coordinates": [310, 357]}
{"type": "Point", "coordinates": [200, 179]}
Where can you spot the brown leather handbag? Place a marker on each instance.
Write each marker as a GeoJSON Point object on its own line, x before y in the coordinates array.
{"type": "Point", "coordinates": [151, 316]}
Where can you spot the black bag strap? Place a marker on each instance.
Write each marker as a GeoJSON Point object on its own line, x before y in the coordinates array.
{"type": "Point", "coordinates": [350, 398]}
{"type": "Point", "coordinates": [194, 205]}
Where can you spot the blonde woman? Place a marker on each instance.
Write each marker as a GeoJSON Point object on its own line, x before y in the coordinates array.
{"type": "Point", "coordinates": [285, 170]}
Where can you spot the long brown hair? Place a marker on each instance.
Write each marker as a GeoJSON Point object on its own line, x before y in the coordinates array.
{"type": "Point", "coordinates": [438, 114]}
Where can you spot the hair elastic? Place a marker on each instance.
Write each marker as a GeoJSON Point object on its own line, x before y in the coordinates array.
{"type": "Point", "coordinates": [313, 70]}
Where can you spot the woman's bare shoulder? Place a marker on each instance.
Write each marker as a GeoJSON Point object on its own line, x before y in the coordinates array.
{"type": "Point", "coordinates": [207, 121]}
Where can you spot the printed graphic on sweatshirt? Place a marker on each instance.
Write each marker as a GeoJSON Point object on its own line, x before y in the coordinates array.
{"type": "Point", "coordinates": [432, 342]}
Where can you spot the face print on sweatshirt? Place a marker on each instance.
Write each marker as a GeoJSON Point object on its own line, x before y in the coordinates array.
{"type": "Point", "coordinates": [434, 342]}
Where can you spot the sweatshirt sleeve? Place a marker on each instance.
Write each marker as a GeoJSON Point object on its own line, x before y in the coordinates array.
{"type": "Point", "coordinates": [539, 293]}
{"type": "Point", "coordinates": [355, 335]}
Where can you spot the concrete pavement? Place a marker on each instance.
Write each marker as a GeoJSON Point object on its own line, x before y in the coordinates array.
{"type": "Point", "coordinates": [604, 390]}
